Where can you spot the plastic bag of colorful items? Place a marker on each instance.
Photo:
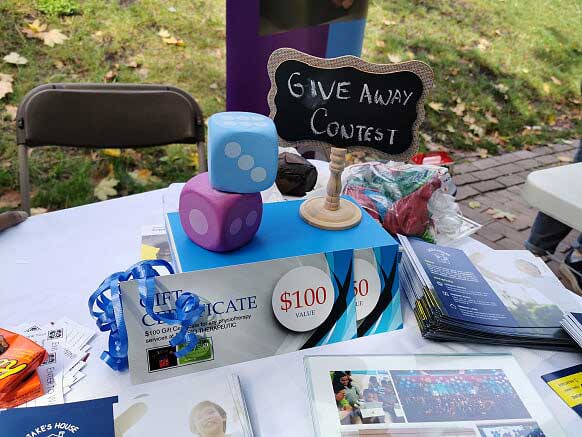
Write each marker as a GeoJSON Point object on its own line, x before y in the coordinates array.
{"type": "Point", "coordinates": [412, 200]}
{"type": "Point", "coordinates": [19, 359]}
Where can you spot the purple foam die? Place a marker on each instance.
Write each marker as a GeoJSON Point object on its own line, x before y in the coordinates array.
{"type": "Point", "coordinates": [217, 220]}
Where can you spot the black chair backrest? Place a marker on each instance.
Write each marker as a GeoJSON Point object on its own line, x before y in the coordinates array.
{"type": "Point", "coordinates": [108, 115]}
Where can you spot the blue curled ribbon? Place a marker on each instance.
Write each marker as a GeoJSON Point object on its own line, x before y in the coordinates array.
{"type": "Point", "coordinates": [109, 311]}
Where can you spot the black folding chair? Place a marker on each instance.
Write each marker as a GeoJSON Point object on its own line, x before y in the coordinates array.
{"type": "Point", "coordinates": [105, 116]}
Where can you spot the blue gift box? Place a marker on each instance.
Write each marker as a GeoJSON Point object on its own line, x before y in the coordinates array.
{"type": "Point", "coordinates": [284, 234]}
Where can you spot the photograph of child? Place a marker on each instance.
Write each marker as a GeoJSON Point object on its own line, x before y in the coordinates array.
{"type": "Point", "coordinates": [365, 397]}
{"type": "Point", "coordinates": [208, 419]}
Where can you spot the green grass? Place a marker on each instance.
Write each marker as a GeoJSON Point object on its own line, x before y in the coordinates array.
{"type": "Point", "coordinates": [532, 48]}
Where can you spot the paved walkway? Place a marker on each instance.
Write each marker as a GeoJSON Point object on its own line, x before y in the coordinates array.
{"type": "Point", "coordinates": [496, 183]}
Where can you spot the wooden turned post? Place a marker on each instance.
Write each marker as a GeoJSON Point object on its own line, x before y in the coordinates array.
{"type": "Point", "coordinates": [337, 164]}
{"type": "Point", "coordinates": [332, 212]}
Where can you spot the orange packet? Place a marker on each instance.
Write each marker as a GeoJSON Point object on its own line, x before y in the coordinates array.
{"type": "Point", "coordinates": [31, 388]}
{"type": "Point", "coordinates": [18, 362]}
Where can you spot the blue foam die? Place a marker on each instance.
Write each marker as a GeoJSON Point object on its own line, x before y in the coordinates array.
{"type": "Point", "coordinates": [242, 152]}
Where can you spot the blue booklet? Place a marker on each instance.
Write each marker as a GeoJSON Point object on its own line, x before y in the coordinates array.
{"type": "Point", "coordinates": [462, 291]}
{"type": "Point", "coordinates": [63, 420]}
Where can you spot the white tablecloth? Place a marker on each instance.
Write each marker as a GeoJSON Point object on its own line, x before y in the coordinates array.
{"type": "Point", "coordinates": [51, 263]}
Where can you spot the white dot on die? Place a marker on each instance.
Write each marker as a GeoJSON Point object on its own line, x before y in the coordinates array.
{"type": "Point", "coordinates": [232, 149]}
{"type": "Point", "coordinates": [246, 162]}
{"type": "Point", "coordinates": [258, 174]}
{"type": "Point", "coordinates": [198, 221]}
{"type": "Point", "coordinates": [235, 226]}
{"type": "Point", "coordinates": [251, 218]}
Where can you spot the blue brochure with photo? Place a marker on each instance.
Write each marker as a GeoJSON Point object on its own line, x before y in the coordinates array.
{"type": "Point", "coordinates": [463, 292]}
{"type": "Point", "coordinates": [92, 418]}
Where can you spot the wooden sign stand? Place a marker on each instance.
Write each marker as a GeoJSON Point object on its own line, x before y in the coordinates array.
{"type": "Point", "coordinates": [331, 212]}
{"type": "Point", "coordinates": [349, 103]}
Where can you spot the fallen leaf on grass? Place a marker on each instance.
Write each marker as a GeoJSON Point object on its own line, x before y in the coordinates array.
{"type": "Point", "coordinates": [436, 106]}
{"type": "Point", "coordinates": [98, 36]}
{"type": "Point", "coordinates": [194, 160]}
{"type": "Point", "coordinates": [106, 188]}
{"type": "Point", "coordinates": [174, 41]}
{"type": "Point", "coordinates": [164, 33]}
{"type": "Point", "coordinates": [53, 37]}
{"type": "Point", "coordinates": [473, 204]}
{"type": "Point", "coordinates": [552, 119]}
{"type": "Point", "coordinates": [15, 58]}
{"type": "Point", "coordinates": [450, 129]}
{"type": "Point", "coordinates": [110, 76]}
{"type": "Point", "coordinates": [39, 31]}
{"type": "Point", "coordinates": [482, 153]}
{"type": "Point", "coordinates": [34, 28]}
{"type": "Point", "coordinates": [426, 137]}
{"type": "Point", "coordinates": [546, 88]}
{"type": "Point", "coordinates": [459, 109]}
{"type": "Point", "coordinates": [115, 153]}
{"type": "Point", "coordinates": [5, 85]}
{"type": "Point", "coordinates": [477, 130]}
{"type": "Point", "coordinates": [11, 110]}
{"type": "Point", "coordinates": [562, 158]}
{"type": "Point", "coordinates": [556, 80]}
{"type": "Point", "coordinates": [501, 88]}
{"type": "Point", "coordinates": [394, 58]}
{"type": "Point", "coordinates": [143, 176]}
{"type": "Point", "coordinates": [483, 44]}
{"type": "Point", "coordinates": [213, 86]}
{"type": "Point", "coordinates": [132, 63]}
{"type": "Point", "coordinates": [490, 118]}
{"type": "Point", "coordinates": [469, 119]}
{"type": "Point", "coordinates": [380, 43]}
{"type": "Point", "coordinates": [37, 211]}
{"type": "Point", "coordinates": [169, 39]}
{"type": "Point", "coordinates": [500, 214]}
{"type": "Point", "coordinates": [388, 22]}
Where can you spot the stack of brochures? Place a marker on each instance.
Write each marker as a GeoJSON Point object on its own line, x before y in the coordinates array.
{"type": "Point", "coordinates": [483, 295]}
{"type": "Point", "coordinates": [572, 323]}
{"type": "Point", "coordinates": [485, 395]}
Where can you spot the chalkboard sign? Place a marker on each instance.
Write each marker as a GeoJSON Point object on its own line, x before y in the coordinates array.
{"type": "Point", "coordinates": [347, 102]}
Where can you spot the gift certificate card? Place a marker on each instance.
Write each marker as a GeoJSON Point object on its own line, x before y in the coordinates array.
{"type": "Point", "coordinates": [250, 311]}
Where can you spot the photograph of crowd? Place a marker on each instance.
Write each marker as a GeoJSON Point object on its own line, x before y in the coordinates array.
{"type": "Point", "coordinates": [365, 397]}
{"type": "Point", "coordinates": [457, 395]}
{"type": "Point", "coordinates": [529, 429]}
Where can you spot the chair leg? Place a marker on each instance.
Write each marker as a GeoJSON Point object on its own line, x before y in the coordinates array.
{"type": "Point", "coordinates": [202, 160]}
{"type": "Point", "coordinates": [24, 178]}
